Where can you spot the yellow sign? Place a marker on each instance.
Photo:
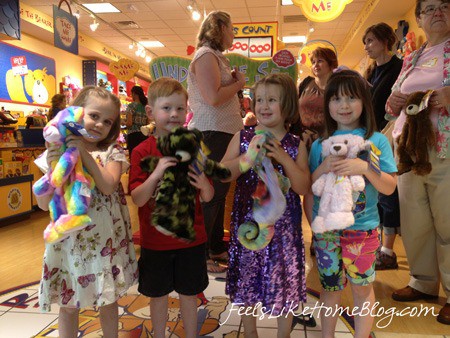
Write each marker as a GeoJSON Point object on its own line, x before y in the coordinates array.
{"type": "Point", "coordinates": [322, 10]}
{"type": "Point", "coordinates": [16, 198]}
{"type": "Point", "coordinates": [35, 17]}
{"type": "Point", "coordinates": [124, 69]}
{"type": "Point", "coordinates": [255, 40]}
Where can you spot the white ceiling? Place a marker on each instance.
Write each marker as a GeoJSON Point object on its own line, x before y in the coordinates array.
{"type": "Point", "coordinates": [169, 22]}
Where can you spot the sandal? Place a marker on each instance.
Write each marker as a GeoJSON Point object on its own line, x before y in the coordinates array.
{"type": "Point", "coordinates": [222, 257]}
{"type": "Point", "coordinates": [214, 267]}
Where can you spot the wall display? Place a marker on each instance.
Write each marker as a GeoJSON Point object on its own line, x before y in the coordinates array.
{"type": "Point", "coordinates": [254, 69]}
{"type": "Point", "coordinates": [27, 77]}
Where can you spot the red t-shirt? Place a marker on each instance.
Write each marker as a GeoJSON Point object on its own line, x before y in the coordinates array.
{"type": "Point", "coordinates": [150, 237]}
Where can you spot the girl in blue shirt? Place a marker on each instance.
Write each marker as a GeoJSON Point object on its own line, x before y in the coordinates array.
{"type": "Point", "coordinates": [349, 254]}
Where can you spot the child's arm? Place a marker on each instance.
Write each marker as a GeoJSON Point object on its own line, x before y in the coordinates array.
{"type": "Point", "coordinates": [201, 182]}
{"type": "Point", "coordinates": [106, 178]}
{"type": "Point", "coordinates": [297, 171]}
{"type": "Point", "coordinates": [325, 167]}
{"type": "Point", "coordinates": [384, 183]}
{"type": "Point", "coordinates": [142, 193]}
{"type": "Point", "coordinates": [232, 156]}
{"type": "Point", "coordinates": [53, 155]}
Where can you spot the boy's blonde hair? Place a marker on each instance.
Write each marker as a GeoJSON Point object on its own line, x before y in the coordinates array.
{"type": "Point", "coordinates": [82, 99]}
{"type": "Point", "coordinates": [289, 99]}
{"type": "Point", "coordinates": [164, 87]}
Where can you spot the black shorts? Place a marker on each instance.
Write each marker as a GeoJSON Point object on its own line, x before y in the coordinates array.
{"type": "Point", "coordinates": [182, 270]}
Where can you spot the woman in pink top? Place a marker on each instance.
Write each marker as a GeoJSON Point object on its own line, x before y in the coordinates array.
{"type": "Point", "coordinates": [424, 200]}
{"type": "Point", "coordinates": [213, 88]}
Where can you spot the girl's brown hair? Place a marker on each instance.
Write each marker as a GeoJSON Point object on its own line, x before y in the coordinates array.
{"type": "Point", "coordinates": [349, 83]}
{"type": "Point", "coordinates": [327, 54]}
{"type": "Point", "coordinates": [89, 92]}
{"type": "Point", "coordinates": [289, 100]}
{"type": "Point", "coordinates": [211, 33]}
{"type": "Point", "coordinates": [57, 100]}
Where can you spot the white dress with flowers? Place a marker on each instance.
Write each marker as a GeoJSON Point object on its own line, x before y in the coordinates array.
{"type": "Point", "coordinates": [94, 266]}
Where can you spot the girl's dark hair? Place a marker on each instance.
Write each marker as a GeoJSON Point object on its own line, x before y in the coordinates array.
{"type": "Point", "coordinates": [211, 30]}
{"type": "Point", "coordinates": [140, 92]}
{"type": "Point", "coordinates": [289, 100]}
{"type": "Point", "coordinates": [89, 92]}
{"type": "Point", "coordinates": [349, 83]}
{"type": "Point", "coordinates": [384, 33]}
{"type": "Point", "coordinates": [327, 54]}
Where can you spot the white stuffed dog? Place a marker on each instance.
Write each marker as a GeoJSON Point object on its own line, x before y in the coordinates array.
{"type": "Point", "coordinates": [336, 202]}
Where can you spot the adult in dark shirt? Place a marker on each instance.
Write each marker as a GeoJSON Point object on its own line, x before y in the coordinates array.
{"type": "Point", "coordinates": [382, 73]}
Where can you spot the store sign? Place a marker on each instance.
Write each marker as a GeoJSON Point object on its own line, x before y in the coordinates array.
{"type": "Point", "coordinates": [66, 30]}
{"type": "Point", "coordinates": [255, 40]}
{"type": "Point", "coordinates": [177, 67]}
{"type": "Point", "coordinates": [19, 65]}
{"type": "Point", "coordinates": [322, 10]}
{"type": "Point", "coordinates": [124, 69]}
{"type": "Point", "coordinates": [14, 199]}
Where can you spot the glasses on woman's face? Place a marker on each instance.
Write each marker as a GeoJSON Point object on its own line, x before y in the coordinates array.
{"type": "Point", "coordinates": [431, 10]}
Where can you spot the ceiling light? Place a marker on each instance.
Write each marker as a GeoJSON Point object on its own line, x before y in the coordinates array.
{"type": "Point", "coordinates": [131, 45]}
{"type": "Point", "coordinates": [196, 15]}
{"type": "Point", "coordinates": [151, 44]}
{"type": "Point", "coordinates": [148, 58]}
{"type": "Point", "coordinates": [294, 39]}
{"type": "Point", "coordinates": [286, 3]}
{"type": "Point", "coordinates": [193, 9]}
{"type": "Point", "coordinates": [94, 25]}
{"type": "Point", "coordinates": [77, 14]}
{"type": "Point", "coordinates": [101, 7]}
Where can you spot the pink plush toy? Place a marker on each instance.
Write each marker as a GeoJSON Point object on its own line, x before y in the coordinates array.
{"type": "Point", "coordinates": [336, 202]}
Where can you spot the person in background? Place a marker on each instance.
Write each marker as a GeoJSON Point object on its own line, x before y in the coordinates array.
{"type": "Point", "coordinates": [136, 118]}
{"type": "Point", "coordinates": [424, 200]}
{"type": "Point", "coordinates": [213, 88]}
{"type": "Point", "coordinates": [166, 263]}
{"type": "Point", "coordinates": [274, 276]}
{"type": "Point", "coordinates": [95, 266]}
{"type": "Point", "coordinates": [382, 73]}
{"type": "Point", "coordinates": [311, 107]}
{"type": "Point", "coordinates": [58, 104]}
{"type": "Point", "coordinates": [349, 255]}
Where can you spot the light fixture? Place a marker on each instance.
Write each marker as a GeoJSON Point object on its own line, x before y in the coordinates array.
{"type": "Point", "coordinates": [193, 9]}
{"type": "Point", "coordinates": [77, 14]}
{"type": "Point", "coordinates": [286, 3]}
{"type": "Point", "coordinates": [131, 45]}
{"type": "Point", "coordinates": [101, 7]}
{"type": "Point", "coordinates": [151, 44]}
{"type": "Point", "coordinates": [148, 59]}
{"type": "Point", "coordinates": [310, 27]}
{"type": "Point", "coordinates": [94, 25]}
{"type": "Point", "coordinates": [294, 39]}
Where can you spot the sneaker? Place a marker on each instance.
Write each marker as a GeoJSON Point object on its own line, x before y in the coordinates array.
{"type": "Point", "coordinates": [385, 262]}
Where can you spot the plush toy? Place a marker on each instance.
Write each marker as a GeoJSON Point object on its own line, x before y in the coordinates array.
{"type": "Point", "coordinates": [175, 202]}
{"type": "Point", "coordinates": [417, 135]}
{"type": "Point", "coordinates": [269, 202]}
{"type": "Point", "coordinates": [67, 180]}
{"type": "Point", "coordinates": [337, 200]}
{"type": "Point", "coordinates": [410, 44]}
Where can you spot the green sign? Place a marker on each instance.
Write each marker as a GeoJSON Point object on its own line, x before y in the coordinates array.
{"type": "Point", "coordinates": [177, 67]}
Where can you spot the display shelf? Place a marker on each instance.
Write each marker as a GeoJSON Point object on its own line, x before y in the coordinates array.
{"type": "Point", "coordinates": [16, 197]}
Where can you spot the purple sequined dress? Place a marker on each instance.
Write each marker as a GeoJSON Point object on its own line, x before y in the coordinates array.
{"type": "Point", "coordinates": [275, 275]}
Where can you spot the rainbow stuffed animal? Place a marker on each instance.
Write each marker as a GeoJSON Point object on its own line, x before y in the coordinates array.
{"type": "Point", "coordinates": [269, 202]}
{"type": "Point", "coordinates": [67, 180]}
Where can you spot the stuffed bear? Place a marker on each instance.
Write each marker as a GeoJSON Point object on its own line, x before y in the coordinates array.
{"type": "Point", "coordinates": [269, 202]}
{"type": "Point", "coordinates": [336, 202]}
{"type": "Point", "coordinates": [175, 202]}
{"type": "Point", "coordinates": [67, 180]}
{"type": "Point", "coordinates": [417, 135]}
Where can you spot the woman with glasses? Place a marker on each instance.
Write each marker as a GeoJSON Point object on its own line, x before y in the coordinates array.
{"type": "Point", "coordinates": [424, 200]}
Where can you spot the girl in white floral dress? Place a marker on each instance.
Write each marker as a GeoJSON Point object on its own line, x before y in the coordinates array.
{"type": "Point", "coordinates": [94, 266]}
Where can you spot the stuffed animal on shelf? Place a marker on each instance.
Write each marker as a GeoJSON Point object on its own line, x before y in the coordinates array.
{"type": "Point", "coordinates": [417, 135]}
{"type": "Point", "coordinates": [269, 202]}
{"type": "Point", "coordinates": [175, 201]}
{"type": "Point", "coordinates": [337, 192]}
{"type": "Point", "coordinates": [67, 180]}
{"type": "Point", "coordinates": [410, 44]}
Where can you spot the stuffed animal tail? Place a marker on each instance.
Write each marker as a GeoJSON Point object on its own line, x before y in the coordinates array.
{"type": "Point", "coordinates": [255, 237]}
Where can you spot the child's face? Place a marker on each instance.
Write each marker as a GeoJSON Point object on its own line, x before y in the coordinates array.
{"type": "Point", "coordinates": [99, 116]}
{"type": "Point", "coordinates": [346, 111]}
{"type": "Point", "coordinates": [268, 105]}
{"type": "Point", "coordinates": [168, 112]}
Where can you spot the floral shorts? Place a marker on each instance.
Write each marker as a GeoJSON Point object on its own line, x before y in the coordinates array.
{"type": "Point", "coordinates": [352, 251]}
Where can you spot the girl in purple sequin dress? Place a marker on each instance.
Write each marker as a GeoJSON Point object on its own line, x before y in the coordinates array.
{"type": "Point", "coordinates": [273, 276]}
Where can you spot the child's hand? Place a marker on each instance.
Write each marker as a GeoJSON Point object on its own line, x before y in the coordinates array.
{"type": "Point", "coordinates": [276, 152]}
{"type": "Point", "coordinates": [201, 182]}
{"type": "Point", "coordinates": [328, 164]}
{"type": "Point", "coordinates": [348, 167]}
{"type": "Point", "coordinates": [75, 142]}
{"type": "Point", "coordinates": [53, 154]}
{"type": "Point", "coordinates": [163, 163]}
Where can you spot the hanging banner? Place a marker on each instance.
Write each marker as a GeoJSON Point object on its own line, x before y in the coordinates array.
{"type": "Point", "coordinates": [321, 10]}
{"type": "Point", "coordinates": [29, 77]}
{"type": "Point", "coordinates": [124, 69]}
{"type": "Point", "coordinates": [177, 67]}
{"type": "Point", "coordinates": [65, 30]}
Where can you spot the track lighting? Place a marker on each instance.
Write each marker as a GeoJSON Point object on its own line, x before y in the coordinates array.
{"type": "Point", "coordinates": [193, 9]}
{"type": "Point", "coordinates": [131, 45]}
{"type": "Point", "coordinates": [94, 25]}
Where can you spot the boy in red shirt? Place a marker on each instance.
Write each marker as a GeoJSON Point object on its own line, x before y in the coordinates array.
{"type": "Point", "coordinates": [166, 263]}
